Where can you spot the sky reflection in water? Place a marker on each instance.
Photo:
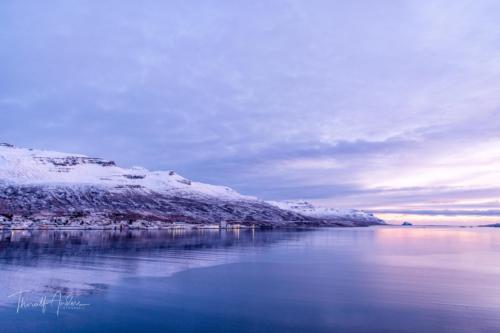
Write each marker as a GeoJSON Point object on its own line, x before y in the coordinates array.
{"type": "Point", "coordinates": [384, 279]}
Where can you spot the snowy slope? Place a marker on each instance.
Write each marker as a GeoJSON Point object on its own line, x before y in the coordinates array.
{"type": "Point", "coordinates": [49, 188]}
{"type": "Point", "coordinates": [308, 209]}
{"type": "Point", "coordinates": [29, 166]}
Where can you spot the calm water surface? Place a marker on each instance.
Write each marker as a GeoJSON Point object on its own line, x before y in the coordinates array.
{"type": "Point", "coordinates": [383, 279]}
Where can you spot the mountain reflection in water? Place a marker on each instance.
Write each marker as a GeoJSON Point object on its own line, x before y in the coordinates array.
{"type": "Point", "coordinates": [377, 279]}
{"type": "Point", "coordinates": [86, 262]}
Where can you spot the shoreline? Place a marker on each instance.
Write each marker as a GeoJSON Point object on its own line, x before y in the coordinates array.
{"type": "Point", "coordinates": [194, 227]}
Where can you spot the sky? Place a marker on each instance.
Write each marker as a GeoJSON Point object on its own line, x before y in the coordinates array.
{"type": "Point", "coordinates": [390, 106]}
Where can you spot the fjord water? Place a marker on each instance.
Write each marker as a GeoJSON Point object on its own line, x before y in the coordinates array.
{"type": "Point", "coordinates": [377, 279]}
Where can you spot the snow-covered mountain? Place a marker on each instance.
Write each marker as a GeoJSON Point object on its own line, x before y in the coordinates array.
{"type": "Point", "coordinates": [38, 167]}
{"type": "Point", "coordinates": [344, 216]}
{"type": "Point", "coordinates": [44, 189]}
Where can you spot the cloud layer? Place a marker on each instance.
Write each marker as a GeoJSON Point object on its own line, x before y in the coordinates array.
{"type": "Point", "coordinates": [378, 105]}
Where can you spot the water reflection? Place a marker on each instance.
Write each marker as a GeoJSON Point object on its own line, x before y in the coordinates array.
{"type": "Point", "coordinates": [88, 262]}
{"type": "Point", "coordinates": [383, 279]}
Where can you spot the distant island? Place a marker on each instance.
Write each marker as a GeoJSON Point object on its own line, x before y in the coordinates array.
{"type": "Point", "coordinates": [46, 190]}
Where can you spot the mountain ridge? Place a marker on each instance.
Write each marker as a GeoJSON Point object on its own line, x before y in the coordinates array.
{"type": "Point", "coordinates": [47, 189]}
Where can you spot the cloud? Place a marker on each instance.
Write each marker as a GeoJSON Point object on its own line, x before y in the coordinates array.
{"type": "Point", "coordinates": [345, 102]}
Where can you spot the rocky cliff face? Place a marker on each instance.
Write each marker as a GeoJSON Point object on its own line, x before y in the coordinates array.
{"type": "Point", "coordinates": [52, 189]}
